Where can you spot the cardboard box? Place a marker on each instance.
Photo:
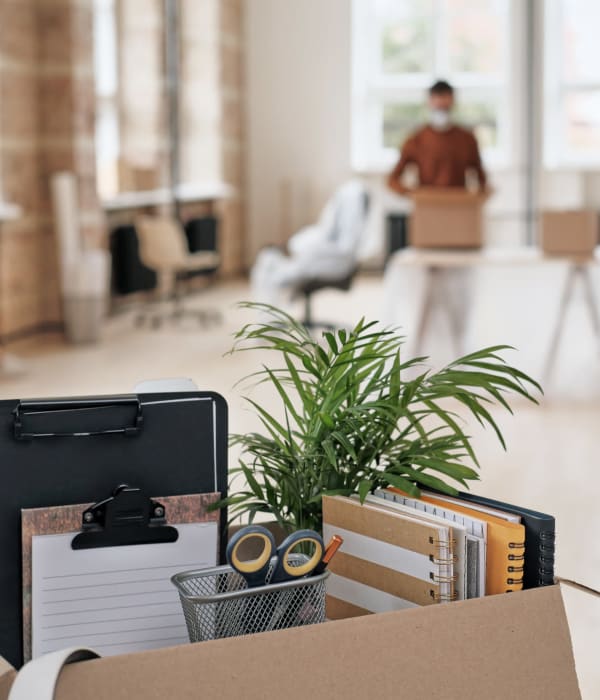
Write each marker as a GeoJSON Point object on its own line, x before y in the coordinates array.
{"type": "Point", "coordinates": [7, 676]}
{"type": "Point", "coordinates": [499, 647]}
{"type": "Point", "coordinates": [447, 218]}
{"type": "Point", "coordinates": [569, 232]}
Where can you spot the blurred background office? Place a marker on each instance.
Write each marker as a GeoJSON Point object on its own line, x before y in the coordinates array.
{"type": "Point", "coordinates": [240, 120]}
{"type": "Point", "coordinates": [153, 151]}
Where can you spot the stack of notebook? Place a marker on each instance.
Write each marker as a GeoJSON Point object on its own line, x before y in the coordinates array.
{"type": "Point", "coordinates": [402, 552]}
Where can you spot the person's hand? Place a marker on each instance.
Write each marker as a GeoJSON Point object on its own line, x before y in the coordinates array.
{"type": "Point", "coordinates": [397, 187]}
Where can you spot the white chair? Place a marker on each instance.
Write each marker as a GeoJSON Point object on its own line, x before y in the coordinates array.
{"type": "Point", "coordinates": [324, 255]}
{"type": "Point", "coordinates": [163, 248]}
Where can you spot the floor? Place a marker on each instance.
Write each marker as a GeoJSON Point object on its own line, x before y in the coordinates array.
{"type": "Point", "coordinates": [552, 458]}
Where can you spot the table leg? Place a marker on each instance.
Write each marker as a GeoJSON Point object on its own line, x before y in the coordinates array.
{"type": "Point", "coordinates": [590, 299]}
{"type": "Point", "coordinates": [567, 293]}
{"type": "Point", "coordinates": [456, 299]}
{"type": "Point", "coordinates": [431, 289]}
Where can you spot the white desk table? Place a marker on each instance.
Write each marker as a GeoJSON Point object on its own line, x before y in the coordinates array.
{"type": "Point", "coordinates": [184, 193]}
{"type": "Point", "coordinates": [448, 287]}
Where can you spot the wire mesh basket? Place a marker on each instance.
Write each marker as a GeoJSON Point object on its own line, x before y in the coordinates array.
{"type": "Point", "coordinates": [217, 602]}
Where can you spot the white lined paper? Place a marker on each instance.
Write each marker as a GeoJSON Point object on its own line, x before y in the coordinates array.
{"type": "Point", "coordinates": [113, 599]}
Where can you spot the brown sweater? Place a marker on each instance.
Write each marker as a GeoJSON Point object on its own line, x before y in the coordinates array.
{"type": "Point", "coordinates": [442, 158]}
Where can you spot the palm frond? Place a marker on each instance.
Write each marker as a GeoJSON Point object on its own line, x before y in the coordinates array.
{"type": "Point", "coordinates": [351, 421]}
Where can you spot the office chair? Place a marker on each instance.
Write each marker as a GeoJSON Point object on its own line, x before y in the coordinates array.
{"type": "Point", "coordinates": [344, 283]}
{"type": "Point", "coordinates": [163, 247]}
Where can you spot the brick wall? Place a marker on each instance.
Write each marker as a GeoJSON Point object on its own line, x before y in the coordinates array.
{"type": "Point", "coordinates": [232, 91]}
{"type": "Point", "coordinates": [143, 116]}
{"type": "Point", "coordinates": [46, 125]}
{"type": "Point", "coordinates": [47, 109]}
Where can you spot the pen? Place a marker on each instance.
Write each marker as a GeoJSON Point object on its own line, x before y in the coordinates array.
{"type": "Point", "coordinates": [334, 544]}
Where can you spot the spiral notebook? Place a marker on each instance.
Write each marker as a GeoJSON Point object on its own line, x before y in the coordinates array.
{"type": "Point", "coordinates": [539, 539]}
{"type": "Point", "coordinates": [505, 544]}
{"type": "Point", "coordinates": [476, 534]}
{"type": "Point", "coordinates": [470, 575]}
{"type": "Point", "coordinates": [389, 560]}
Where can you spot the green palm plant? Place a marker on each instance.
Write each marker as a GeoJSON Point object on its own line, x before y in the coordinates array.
{"type": "Point", "coordinates": [351, 421]}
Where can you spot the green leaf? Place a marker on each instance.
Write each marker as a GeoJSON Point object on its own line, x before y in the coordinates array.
{"type": "Point", "coordinates": [433, 482]}
{"type": "Point", "coordinates": [364, 488]}
{"type": "Point", "coordinates": [401, 483]}
{"type": "Point", "coordinates": [256, 489]}
{"type": "Point", "coordinates": [327, 419]}
{"type": "Point", "coordinates": [330, 339]}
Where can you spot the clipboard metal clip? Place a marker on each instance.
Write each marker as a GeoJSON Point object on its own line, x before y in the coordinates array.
{"type": "Point", "coordinates": [104, 415]}
{"type": "Point", "coordinates": [125, 518]}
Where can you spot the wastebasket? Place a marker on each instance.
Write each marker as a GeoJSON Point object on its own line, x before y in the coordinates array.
{"type": "Point", "coordinates": [85, 294]}
{"type": "Point", "coordinates": [83, 318]}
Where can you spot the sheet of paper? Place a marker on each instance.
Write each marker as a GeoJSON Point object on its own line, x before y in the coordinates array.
{"type": "Point", "coordinates": [115, 600]}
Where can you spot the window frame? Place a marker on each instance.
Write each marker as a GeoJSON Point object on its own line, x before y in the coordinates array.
{"type": "Point", "coordinates": [371, 89]}
{"type": "Point", "coordinates": [556, 153]}
{"type": "Point", "coordinates": [106, 100]}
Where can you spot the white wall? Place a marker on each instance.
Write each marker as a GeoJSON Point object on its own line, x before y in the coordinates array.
{"type": "Point", "coordinates": [297, 112]}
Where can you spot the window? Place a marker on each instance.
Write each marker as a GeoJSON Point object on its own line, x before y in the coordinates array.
{"type": "Point", "coordinates": [107, 117]}
{"type": "Point", "coordinates": [132, 144]}
{"type": "Point", "coordinates": [134, 133]}
{"type": "Point", "coordinates": [400, 47]}
{"type": "Point", "coordinates": [572, 84]}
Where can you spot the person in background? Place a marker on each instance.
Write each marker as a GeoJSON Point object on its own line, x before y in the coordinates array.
{"type": "Point", "coordinates": [442, 151]}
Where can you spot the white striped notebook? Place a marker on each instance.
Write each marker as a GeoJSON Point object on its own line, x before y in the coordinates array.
{"type": "Point", "coordinates": [389, 560]}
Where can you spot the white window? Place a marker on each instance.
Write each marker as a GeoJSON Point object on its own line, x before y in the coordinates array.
{"type": "Point", "coordinates": [572, 83]}
{"type": "Point", "coordinates": [107, 117]}
{"type": "Point", "coordinates": [400, 47]}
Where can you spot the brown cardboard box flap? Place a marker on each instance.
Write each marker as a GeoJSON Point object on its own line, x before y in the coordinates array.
{"type": "Point", "coordinates": [449, 196]}
{"type": "Point", "coordinates": [499, 647]}
{"type": "Point", "coordinates": [447, 218]}
{"type": "Point", "coordinates": [7, 676]}
{"type": "Point", "coordinates": [570, 232]}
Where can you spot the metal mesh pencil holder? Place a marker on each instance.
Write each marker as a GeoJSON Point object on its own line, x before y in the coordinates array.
{"type": "Point", "coordinates": [217, 602]}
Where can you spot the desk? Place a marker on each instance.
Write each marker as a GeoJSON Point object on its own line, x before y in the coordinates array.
{"type": "Point", "coordinates": [449, 282]}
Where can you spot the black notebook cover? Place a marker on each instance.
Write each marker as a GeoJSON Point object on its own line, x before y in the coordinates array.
{"type": "Point", "coordinates": [539, 540]}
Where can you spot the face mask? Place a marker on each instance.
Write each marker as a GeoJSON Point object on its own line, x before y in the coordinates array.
{"type": "Point", "coordinates": [439, 119]}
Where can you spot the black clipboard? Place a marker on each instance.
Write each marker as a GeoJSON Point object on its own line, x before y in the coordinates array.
{"type": "Point", "coordinates": [68, 450]}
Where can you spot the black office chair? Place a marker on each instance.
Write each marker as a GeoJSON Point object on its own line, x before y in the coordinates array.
{"type": "Point", "coordinates": [316, 285]}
